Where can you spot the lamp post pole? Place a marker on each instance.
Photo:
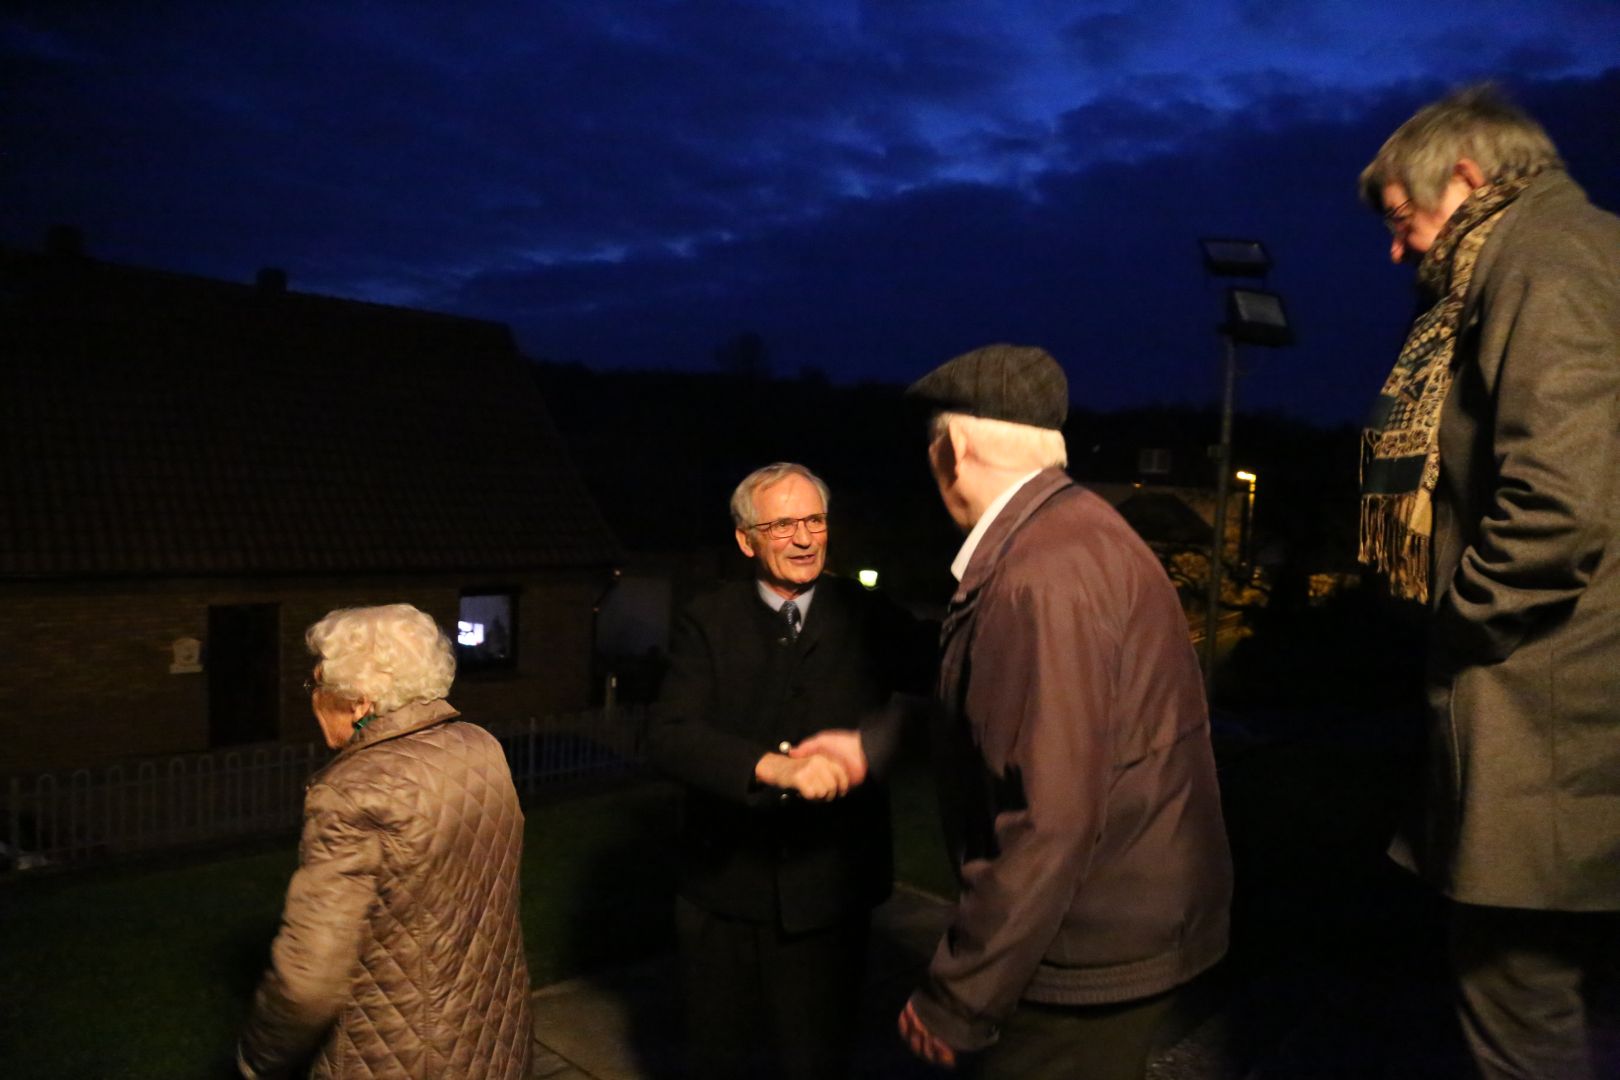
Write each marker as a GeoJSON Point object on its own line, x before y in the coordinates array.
{"type": "Point", "coordinates": [1254, 317]}
{"type": "Point", "coordinates": [1217, 544]}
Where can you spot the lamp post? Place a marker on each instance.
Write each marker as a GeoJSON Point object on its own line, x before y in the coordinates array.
{"type": "Point", "coordinates": [1253, 317]}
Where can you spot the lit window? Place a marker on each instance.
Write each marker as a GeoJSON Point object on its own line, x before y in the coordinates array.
{"type": "Point", "coordinates": [486, 630]}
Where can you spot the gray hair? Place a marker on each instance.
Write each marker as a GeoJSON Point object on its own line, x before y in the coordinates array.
{"type": "Point", "coordinates": [1003, 444]}
{"type": "Point", "coordinates": [392, 655]}
{"type": "Point", "coordinates": [743, 513]}
{"type": "Point", "coordinates": [1475, 122]}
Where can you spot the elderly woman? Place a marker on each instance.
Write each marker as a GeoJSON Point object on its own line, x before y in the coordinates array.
{"type": "Point", "coordinates": [400, 952]}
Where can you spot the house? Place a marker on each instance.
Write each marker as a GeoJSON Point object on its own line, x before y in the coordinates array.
{"type": "Point", "coordinates": [192, 471]}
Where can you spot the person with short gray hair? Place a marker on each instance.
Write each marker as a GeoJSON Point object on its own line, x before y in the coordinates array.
{"type": "Point", "coordinates": [777, 717]}
{"type": "Point", "coordinates": [1475, 123]}
{"type": "Point", "coordinates": [1491, 492]}
{"type": "Point", "coordinates": [400, 954]}
{"type": "Point", "coordinates": [744, 511]}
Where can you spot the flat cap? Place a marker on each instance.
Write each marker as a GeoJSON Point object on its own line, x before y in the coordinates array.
{"type": "Point", "coordinates": [1018, 383]}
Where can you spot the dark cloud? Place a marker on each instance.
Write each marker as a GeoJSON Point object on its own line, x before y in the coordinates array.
{"type": "Point", "coordinates": [1109, 38]}
{"type": "Point", "coordinates": [549, 129]}
{"type": "Point", "coordinates": [869, 186]}
{"type": "Point", "coordinates": [1272, 17]}
{"type": "Point", "coordinates": [1540, 54]}
{"type": "Point", "coordinates": [1099, 264]}
{"type": "Point", "coordinates": [1121, 129]}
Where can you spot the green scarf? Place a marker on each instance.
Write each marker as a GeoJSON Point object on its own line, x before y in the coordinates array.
{"type": "Point", "coordinates": [1400, 446]}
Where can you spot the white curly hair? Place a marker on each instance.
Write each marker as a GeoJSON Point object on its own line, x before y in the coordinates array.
{"type": "Point", "coordinates": [393, 655]}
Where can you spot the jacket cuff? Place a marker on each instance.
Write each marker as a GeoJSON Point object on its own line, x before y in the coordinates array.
{"type": "Point", "coordinates": [962, 1033]}
{"type": "Point", "coordinates": [881, 731]}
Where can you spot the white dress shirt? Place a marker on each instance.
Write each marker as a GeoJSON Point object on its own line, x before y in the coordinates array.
{"type": "Point", "coordinates": [959, 564]}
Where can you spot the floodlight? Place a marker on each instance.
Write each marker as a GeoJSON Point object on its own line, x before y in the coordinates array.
{"type": "Point", "coordinates": [1256, 317]}
{"type": "Point", "coordinates": [1228, 257]}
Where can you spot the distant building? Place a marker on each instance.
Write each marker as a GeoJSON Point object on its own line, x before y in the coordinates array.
{"type": "Point", "coordinates": [192, 471]}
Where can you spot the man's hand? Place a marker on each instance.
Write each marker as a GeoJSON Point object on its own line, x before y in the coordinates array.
{"type": "Point", "coordinates": [817, 777]}
{"type": "Point", "coordinates": [843, 745]}
{"type": "Point", "coordinates": [924, 1043]}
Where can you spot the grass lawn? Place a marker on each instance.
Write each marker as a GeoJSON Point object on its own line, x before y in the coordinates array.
{"type": "Point", "coordinates": [145, 971]}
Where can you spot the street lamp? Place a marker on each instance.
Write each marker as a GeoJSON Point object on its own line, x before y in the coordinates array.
{"type": "Point", "coordinates": [1256, 317]}
{"type": "Point", "coordinates": [1246, 537]}
{"type": "Point", "coordinates": [1253, 317]}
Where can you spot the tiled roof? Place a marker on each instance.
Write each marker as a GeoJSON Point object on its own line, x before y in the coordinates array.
{"type": "Point", "coordinates": [1162, 517]}
{"type": "Point", "coordinates": [159, 424]}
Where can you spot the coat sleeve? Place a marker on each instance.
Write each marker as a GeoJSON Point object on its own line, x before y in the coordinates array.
{"type": "Point", "coordinates": [313, 958]}
{"type": "Point", "coordinates": [682, 742]}
{"type": "Point", "coordinates": [1556, 320]}
{"type": "Point", "coordinates": [1044, 670]}
{"type": "Point", "coordinates": [906, 662]}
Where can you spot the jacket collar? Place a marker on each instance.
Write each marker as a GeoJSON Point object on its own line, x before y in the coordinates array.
{"type": "Point", "coordinates": [1552, 188]}
{"type": "Point", "coordinates": [1031, 497]}
{"type": "Point", "coordinates": [402, 721]}
{"type": "Point", "coordinates": [829, 614]}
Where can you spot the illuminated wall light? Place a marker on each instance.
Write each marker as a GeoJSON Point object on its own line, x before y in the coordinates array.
{"type": "Point", "coordinates": [867, 578]}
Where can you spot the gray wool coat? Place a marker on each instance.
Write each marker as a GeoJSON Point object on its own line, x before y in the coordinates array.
{"type": "Point", "coordinates": [1522, 805]}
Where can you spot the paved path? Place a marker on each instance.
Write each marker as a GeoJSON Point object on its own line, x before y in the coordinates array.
{"type": "Point", "coordinates": [625, 1024]}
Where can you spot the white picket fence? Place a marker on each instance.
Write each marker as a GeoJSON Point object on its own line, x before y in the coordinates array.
{"type": "Point", "coordinates": [81, 816]}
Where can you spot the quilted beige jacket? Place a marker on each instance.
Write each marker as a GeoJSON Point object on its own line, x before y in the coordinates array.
{"type": "Point", "coordinates": [400, 952]}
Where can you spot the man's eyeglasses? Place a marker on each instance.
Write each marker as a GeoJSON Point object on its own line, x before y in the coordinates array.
{"type": "Point", "coordinates": [1395, 220]}
{"type": "Point", "coordinates": [782, 528]}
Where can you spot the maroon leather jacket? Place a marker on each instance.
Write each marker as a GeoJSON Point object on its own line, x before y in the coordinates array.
{"type": "Point", "coordinates": [1081, 800]}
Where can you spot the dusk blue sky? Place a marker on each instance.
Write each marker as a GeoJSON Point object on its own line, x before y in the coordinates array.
{"type": "Point", "coordinates": [872, 187]}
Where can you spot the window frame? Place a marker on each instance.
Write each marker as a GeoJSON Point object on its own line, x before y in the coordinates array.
{"type": "Point", "coordinates": [466, 661]}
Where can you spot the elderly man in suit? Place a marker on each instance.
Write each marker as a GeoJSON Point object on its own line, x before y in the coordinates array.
{"type": "Point", "coordinates": [1491, 490]}
{"type": "Point", "coordinates": [782, 856]}
{"type": "Point", "coordinates": [1083, 809]}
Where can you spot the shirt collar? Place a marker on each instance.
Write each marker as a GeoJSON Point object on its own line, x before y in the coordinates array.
{"type": "Point", "coordinates": [776, 599]}
{"type": "Point", "coordinates": [959, 564]}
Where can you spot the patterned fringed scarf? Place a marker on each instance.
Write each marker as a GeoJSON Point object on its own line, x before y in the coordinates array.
{"type": "Point", "coordinates": [1400, 448]}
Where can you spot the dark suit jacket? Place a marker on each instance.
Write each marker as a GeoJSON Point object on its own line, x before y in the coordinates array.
{"type": "Point", "coordinates": [738, 687]}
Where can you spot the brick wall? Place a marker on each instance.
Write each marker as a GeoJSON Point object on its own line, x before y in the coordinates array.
{"type": "Point", "coordinates": [86, 679]}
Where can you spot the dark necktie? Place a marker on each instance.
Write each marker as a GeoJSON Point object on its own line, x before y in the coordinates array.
{"type": "Point", "coordinates": [790, 612]}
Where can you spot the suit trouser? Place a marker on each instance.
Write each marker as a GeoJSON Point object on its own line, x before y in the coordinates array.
{"type": "Point", "coordinates": [764, 1003]}
{"type": "Point", "coordinates": [1080, 1042]}
{"type": "Point", "coordinates": [1538, 991]}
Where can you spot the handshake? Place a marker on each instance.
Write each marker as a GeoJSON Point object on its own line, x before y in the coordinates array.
{"type": "Point", "coordinates": [823, 767]}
